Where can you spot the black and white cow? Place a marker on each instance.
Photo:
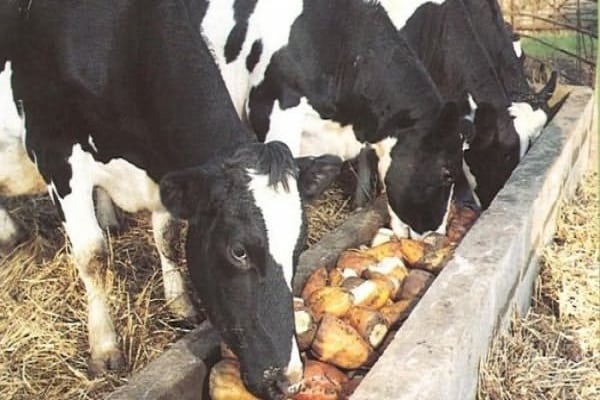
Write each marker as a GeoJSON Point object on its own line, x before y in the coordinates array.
{"type": "Point", "coordinates": [124, 94]}
{"type": "Point", "coordinates": [443, 35]}
{"type": "Point", "coordinates": [329, 77]}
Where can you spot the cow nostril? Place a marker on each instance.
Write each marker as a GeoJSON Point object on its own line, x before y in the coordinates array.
{"type": "Point", "coordinates": [286, 387]}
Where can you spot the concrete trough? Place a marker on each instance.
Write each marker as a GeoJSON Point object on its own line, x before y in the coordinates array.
{"type": "Point", "coordinates": [436, 353]}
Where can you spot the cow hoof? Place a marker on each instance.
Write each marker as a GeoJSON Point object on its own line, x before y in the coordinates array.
{"type": "Point", "coordinates": [111, 360]}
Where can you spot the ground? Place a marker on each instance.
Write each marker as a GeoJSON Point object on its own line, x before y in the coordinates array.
{"type": "Point", "coordinates": [553, 352]}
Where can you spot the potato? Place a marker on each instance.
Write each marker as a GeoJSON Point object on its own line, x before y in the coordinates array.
{"type": "Point", "coordinates": [356, 260]}
{"type": "Point", "coordinates": [411, 251]}
{"type": "Point", "coordinates": [396, 312]}
{"type": "Point", "coordinates": [434, 261]}
{"type": "Point", "coordinates": [337, 276]}
{"type": "Point", "coordinates": [370, 324]}
{"type": "Point", "coordinates": [385, 250]}
{"type": "Point", "coordinates": [383, 235]}
{"type": "Point", "coordinates": [316, 280]}
{"type": "Point", "coordinates": [460, 221]}
{"type": "Point", "coordinates": [332, 300]}
{"type": "Point", "coordinates": [372, 293]}
{"type": "Point", "coordinates": [321, 382]}
{"type": "Point", "coordinates": [225, 382]}
{"type": "Point", "coordinates": [306, 326]}
{"type": "Point", "coordinates": [338, 343]}
{"type": "Point", "coordinates": [392, 269]}
{"type": "Point", "coordinates": [352, 282]}
{"type": "Point", "coordinates": [415, 284]}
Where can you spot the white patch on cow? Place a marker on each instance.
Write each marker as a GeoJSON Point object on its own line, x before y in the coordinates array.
{"type": "Point", "coordinates": [517, 48]}
{"type": "Point", "coordinates": [402, 229]}
{"type": "Point", "coordinates": [295, 368]}
{"type": "Point", "coordinates": [8, 228]}
{"type": "Point", "coordinates": [173, 282]}
{"type": "Point", "coordinates": [472, 108]}
{"type": "Point", "coordinates": [91, 143]}
{"type": "Point", "coordinates": [270, 22]}
{"type": "Point", "coordinates": [528, 123]}
{"type": "Point", "coordinates": [286, 125]}
{"type": "Point", "coordinates": [321, 136]}
{"type": "Point", "coordinates": [471, 180]}
{"type": "Point", "coordinates": [18, 174]}
{"type": "Point", "coordinates": [276, 203]}
{"type": "Point", "coordinates": [53, 192]}
{"type": "Point", "coordinates": [400, 11]}
{"type": "Point", "coordinates": [383, 149]}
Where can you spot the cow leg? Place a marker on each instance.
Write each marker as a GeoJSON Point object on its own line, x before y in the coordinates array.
{"type": "Point", "coordinates": [363, 192]}
{"type": "Point", "coordinates": [166, 236]}
{"type": "Point", "coordinates": [105, 210]}
{"type": "Point", "coordinates": [90, 256]}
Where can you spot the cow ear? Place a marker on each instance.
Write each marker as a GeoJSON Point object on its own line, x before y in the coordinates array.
{"type": "Point", "coordinates": [317, 174]}
{"type": "Point", "coordinates": [185, 192]}
{"type": "Point", "coordinates": [485, 126]}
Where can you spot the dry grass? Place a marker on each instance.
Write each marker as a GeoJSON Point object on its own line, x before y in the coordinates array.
{"type": "Point", "coordinates": [43, 335]}
{"type": "Point", "coordinates": [554, 351]}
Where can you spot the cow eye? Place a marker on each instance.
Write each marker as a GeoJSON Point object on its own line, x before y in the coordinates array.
{"type": "Point", "coordinates": [238, 253]}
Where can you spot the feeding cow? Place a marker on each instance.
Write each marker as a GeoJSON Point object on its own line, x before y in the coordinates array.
{"type": "Point", "coordinates": [337, 72]}
{"type": "Point", "coordinates": [123, 95]}
{"type": "Point", "coordinates": [442, 34]}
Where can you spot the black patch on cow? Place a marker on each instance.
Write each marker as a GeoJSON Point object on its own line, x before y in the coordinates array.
{"type": "Point", "coordinates": [254, 55]}
{"type": "Point", "coordinates": [241, 13]}
{"type": "Point", "coordinates": [196, 11]}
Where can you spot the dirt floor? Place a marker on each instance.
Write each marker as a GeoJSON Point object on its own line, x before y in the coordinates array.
{"type": "Point", "coordinates": [553, 352]}
{"type": "Point", "coordinates": [43, 339]}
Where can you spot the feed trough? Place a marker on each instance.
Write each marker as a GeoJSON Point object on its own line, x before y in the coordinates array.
{"type": "Point", "coordinates": [436, 352]}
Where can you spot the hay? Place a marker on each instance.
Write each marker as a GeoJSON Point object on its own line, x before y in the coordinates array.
{"type": "Point", "coordinates": [43, 334]}
{"type": "Point", "coordinates": [554, 351]}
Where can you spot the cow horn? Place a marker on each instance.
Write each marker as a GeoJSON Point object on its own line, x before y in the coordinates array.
{"type": "Point", "coordinates": [552, 111]}
{"type": "Point", "coordinates": [546, 93]}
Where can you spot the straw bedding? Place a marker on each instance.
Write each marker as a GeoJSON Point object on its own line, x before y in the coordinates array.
{"type": "Point", "coordinates": [554, 351]}
{"type": "Point", "coordinates": [43, 335]}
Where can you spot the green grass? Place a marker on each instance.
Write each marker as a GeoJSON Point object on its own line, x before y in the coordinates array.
{"type": "Point", "coordinates": [566, 41]}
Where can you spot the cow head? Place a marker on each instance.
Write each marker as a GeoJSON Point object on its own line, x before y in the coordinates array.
{"type": "Point", "coordinates": [246, 230]}
{"type": "Point", "coordinates": [492, 152]}
{"type": "Point", "coordinates": [419, 170]}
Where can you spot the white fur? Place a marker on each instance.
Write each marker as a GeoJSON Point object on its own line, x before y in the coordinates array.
{"type": "Point", "coordinates": [8, 228]}
{"type": "Point", "coordinates": [402, 229]}
{"type": "Point", "coordinates": [517, 48]}
{"type": "Point", "coordinates": [91, 143]}
{"type": "Point", "coordinates": [528, 123]}
{"type": "Point", "coordinates": [383, 149]}
{"type": "Point", "coordinates": [286, 125]}
{"type": "Point", "coordinates": [276, 203]}
{"type": "Point", "coordinates": [321, 136]}
{"type": "Point", "coordinates": [18, 174]}
{"type": "Point", "coordinates": [400, 11]}
{"type": "Point", "coordinates": [270, 22]}
{"type": "Point", "coordinates": [471, 180]}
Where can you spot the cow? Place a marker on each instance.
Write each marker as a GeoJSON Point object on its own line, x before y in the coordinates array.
{"type": "Point", "coordinates": [443, 35]}
{"type": "Point", "coordinates": [337, 72]}
{"type": "Point", "coordinates": [124, 95]}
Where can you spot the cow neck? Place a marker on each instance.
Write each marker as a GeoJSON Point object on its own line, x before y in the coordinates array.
{"type": "Point", "coordinates": [391, 86]}
{"type": "Point", "coordinates": [195, 113]}
{"type": "Point", "coordinates": [489, 26]}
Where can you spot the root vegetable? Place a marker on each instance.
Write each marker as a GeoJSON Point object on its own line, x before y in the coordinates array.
{"type": "Point", "coordinates": [459, 222]}
{"type": "Point", "coordinates": [372, 293]}
{"type": "Point", "coordinates": [338, 343]}
{"type": "Point", "coordinates": [412, 251]}
{"type": "Point", "coordinates": [316, 280]}
{"type": "Point", "coordinates": [352, 282]}
{"type": "Point", "coordinates": [225, 382]}
{"type": "Point", "coordinates": [396, 312]}
{"type": "Point", "coordinates": [329, 300]}
{"type": "Point", "coordinates": [415, 284]}
{"type": "Point", "coordinates": [306, 327]}
{"type": "Point", "coordinates": [385, 250]}
{"type": "Point", "coordinates": [226, 352]}
{"type": "Point", "coordinates": [391, 268]}
{"type": "Point", "coordinates": [371, 325]}
{"type": "Point", "coordinates": [434, 261]}
{"type": "Point", "coordinates": [321, 382]}
{"type": "Point", "coordinates": [383, 235]}
{"type": "Point", "coordinates": [355, 260]}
